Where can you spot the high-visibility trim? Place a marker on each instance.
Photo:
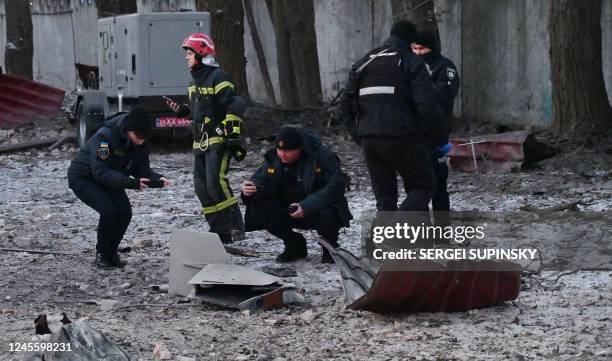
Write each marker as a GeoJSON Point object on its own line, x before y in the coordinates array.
{"type": "Point", "coordinates": [377, 90]}
{"type": "Point", "coordinates": [222, 85]}
{"type": "Point", "coordinates": [232, 117]}
{"type": "Point", "coordinates": [206, 120]}
{"type": "Point", "coordinates": [205, 90]}
{"type": "Point", "coordinates": [223, 174]}
{"type": "Point", "coordinates": [202, 90]}
{"type": "Point", "coordinates": [211, 141]}
{"type": "Point", "coordinates": [220, 206]}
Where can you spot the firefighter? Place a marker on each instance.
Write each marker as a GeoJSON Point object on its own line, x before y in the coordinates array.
{"type": "Point", "coordinates": [445, 80]}
{"type": "Point", "coordinates": [390, 93]}
{"type": "Point", "coordinates": [100, 172]}
{"type": "Point", "coordinates": [216, 113]}
{"type": "Point", "coordinates": [299, 185]}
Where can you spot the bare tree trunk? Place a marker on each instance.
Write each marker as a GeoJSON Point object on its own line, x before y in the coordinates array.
{"type": "Point", "coordinates": [228, 35]}
{"type": "Point", "coordinates": [116, 7]}
{"type": "Point", "coordinates": [296, 47]}
{"type": "Point", "coordinates": [420, 12]}
{"type": "Point", "coordinates": [19, 41]}
{"type": "Point", "coordinates": [259, 51]}
{"type": "Point", "coordinates": [580, 102]}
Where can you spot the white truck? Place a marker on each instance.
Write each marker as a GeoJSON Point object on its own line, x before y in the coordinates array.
{"type": "Point", "coordinates": [140, 61]}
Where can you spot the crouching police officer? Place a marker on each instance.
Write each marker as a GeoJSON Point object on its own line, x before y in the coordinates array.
{"type": "Point", "coordinates": [300, 185]}
{"type": "Point", "coordinates": [100, 173]}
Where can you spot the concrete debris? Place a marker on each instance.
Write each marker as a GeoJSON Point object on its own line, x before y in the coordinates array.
{"type": "Point", "coordinates": [279, 270]}
{"type": "Point", "coordinates": [143, 243]}
{"type": "Point", "coordinates": [184, 358]}
{"type": "Point", "coordinates": [161, 352]}
{"type": "Point", "coordinates": [108, 305]}
{"type": "Point", "coordinates": [43, 212]}
{"type": "Point", "coordinates": [308, 316]}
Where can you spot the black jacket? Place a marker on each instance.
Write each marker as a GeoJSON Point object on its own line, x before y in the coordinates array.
{"type": "Point", "coordinates": [213, 100]}
{"type": "Point", "coordinates": [323, 180]}
{"type": "Point", "coordinates": [405, 113]}
{"type": "Point", "coordinates": [445, 78]}
{"type": "Point", "coordinates": [109, 158]}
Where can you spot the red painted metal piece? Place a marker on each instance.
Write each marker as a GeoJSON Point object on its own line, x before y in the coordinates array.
{"type": "Point", "coordinates": [422, 285]}
{"type": "Point", "coordinates": [456, 286]}
{"type": "Point", "coordinates": [23, 100]}
{"type": "Point", "coordinates": [489, 153]}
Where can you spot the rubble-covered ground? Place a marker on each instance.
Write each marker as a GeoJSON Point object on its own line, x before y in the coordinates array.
{"type": "Point", "coordinates": [556, 317]}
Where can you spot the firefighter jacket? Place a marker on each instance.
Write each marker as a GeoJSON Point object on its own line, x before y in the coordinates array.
{"type": "Point", "coordinates": [214, 107]}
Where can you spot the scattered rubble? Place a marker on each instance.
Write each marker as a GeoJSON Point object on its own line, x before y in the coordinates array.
{"type": "Point", "coordinates": [558, 317]}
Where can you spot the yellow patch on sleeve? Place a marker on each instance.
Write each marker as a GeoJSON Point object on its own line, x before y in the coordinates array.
{"type": "Point", "coordinates": [271, 170]}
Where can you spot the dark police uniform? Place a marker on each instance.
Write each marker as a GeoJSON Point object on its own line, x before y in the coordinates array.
{"type": "Point", "coordinates": [99, 174]}
{"type": "Point", "coordinates": [445, 80]}
{"type": "Point", "coordinates": [216, 112]}
{"type": "Point", "coordinates": [315, 181]}
{"type": "Point", "coordinates": [394, 106]}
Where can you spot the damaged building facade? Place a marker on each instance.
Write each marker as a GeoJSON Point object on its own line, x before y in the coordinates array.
{"type": "Point", "coordinates": [501, 49]}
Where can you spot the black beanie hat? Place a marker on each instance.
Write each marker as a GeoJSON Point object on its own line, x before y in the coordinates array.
{"type": "Point", "coordinates": [405, 30]}
{"type": "Point", "coordinates": [138, 121]}
{"type": "Point", "coordinates": [426, 39]}
{"type": "Point", "coordinates": [289, 138]}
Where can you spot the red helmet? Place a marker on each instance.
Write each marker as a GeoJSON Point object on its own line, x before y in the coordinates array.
{"type": "Point", "coordinates": [200, 44]}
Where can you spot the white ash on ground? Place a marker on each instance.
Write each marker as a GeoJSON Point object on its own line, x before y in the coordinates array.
{"type": "Point", "coordinates": [567, 317]}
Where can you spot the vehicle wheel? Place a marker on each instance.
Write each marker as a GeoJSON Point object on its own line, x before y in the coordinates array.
{"type": "Point", "coordinates": [84, 127]}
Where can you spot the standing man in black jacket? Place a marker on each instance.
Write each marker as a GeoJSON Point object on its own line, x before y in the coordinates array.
{"type": "Point", "coordinates": [389, 102]}
{"type": "Point", "coordinates": [445, 79]}
{"type": "Point", "coordinates": [216, 112]}
{"type": "Point", "coordinates": [299, 185]}
{"type": "Point", "coordinates": [100, 173]}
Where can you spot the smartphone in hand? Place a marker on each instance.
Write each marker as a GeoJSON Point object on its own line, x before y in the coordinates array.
{"type": "Point", "coordinates": [158, 183]}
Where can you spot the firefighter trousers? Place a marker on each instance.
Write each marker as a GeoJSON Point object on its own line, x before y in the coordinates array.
{"type": "Point", "coordinates": [212, 188]}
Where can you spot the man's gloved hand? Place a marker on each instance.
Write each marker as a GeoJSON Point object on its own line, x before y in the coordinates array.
{"type": "Point", "coordinates": [445, 148]}
{"type": "Point", "coordinates": [231, 128]}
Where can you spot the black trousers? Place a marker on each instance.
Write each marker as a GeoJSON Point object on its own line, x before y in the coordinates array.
{"type": "Point", "coordinates": [212, 188]}
{"type": "Point", "coordinates": [386, 157]}
{"type": "Point", "coordinates": [113, 206]}
{"type": "Point", "coordinates": [440, 202]}
{"type": "Point", "coordinates": [273, 215]}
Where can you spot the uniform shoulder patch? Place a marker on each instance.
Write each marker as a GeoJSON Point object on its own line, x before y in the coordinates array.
{"type": "Point", "coordinates": [451, 73]}
{"type": "Point", "coordinates": [103, 151]}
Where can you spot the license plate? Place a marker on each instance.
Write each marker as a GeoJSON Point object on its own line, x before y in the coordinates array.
{"type": "Point", "coordinates": [171, 122]}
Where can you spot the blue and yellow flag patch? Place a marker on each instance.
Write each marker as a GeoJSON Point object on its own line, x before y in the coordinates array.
{"type": "Point", "coordinates": [103, 151]}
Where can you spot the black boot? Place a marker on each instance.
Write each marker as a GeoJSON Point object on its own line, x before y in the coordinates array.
{"type": "Point", "coordinates": [291, 254]}
{"type": "Point", "coordinates": [226, 238]}
{"type": "Point", "coordinates": [116, 261]}
{"type": "Point", "coordinates": [326, 257]}
{"type": "Point", "coordinates": [103, 262]}
{"type": "Point", "coordinates": [295, 248]}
